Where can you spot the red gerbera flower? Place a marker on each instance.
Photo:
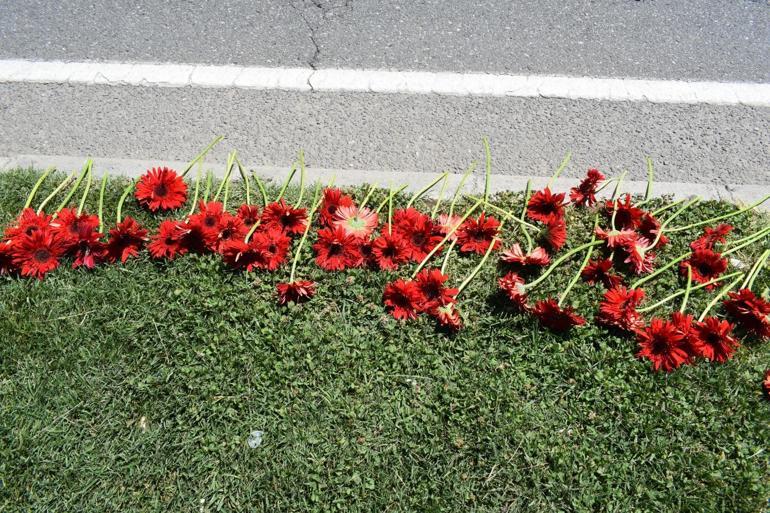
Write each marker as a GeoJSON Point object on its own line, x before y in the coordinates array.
{"type": "Point", "coordinates": [401, 298]}
{"type": "Point", "coordinates": [417, 230]}
{"type": "Point", "coordinates": [639, 256]}
{"type": "Point", "coordinates": [87, 249]}
{"type": "Point", "coordinates": [544, 206]}
{"type": "Point", "coordinates": [448, 316]}
{"type": "Point", "coordinates": [649, 227]}
{"type": "Point", "coordinates": [446, 223]}
{"type": "Point", "coordinates": [433, 293]}
{"type": "Point", "coordinates": [249, 214]}
{"type": "Point", "coordinates": [615, 238]}
{"type": "Point", "coordinates": [766, 384]}
{"type": "Point", "coordinates": [70, 225]}
{"type": "Point", "coordinates": [513, 287]}
{"type": "Point", "coordinates": [628, 217]}
{"type": "Point", "coordinates": [37, 253]}
{"type": "Point", "coordinates": [598, 271]}
{"type": "Point", "coordinates": [208, 217]}
{"type": "Point", "coordinates": [336, 250]}
{"type": "Point", "coordinates": [271, 246]}
{"type": "Point", "coordinates": [663, 344]}
{"type": "Point", "coordinates": [360, 222]}
{"type": "Point", "coordinates": [126, 239]}
{"type": "Point", "coordinates": [230, 227]}
{"type": "Point", "coordinates": [6, 258]}
{"type": "Point", "coordinates": [555, 318]}
{"type": "Point", "coordinates": [706, 265]}
{"type": "Point", "coordinates": [278, 215]}
{"type": "Point", "coordinates": [297, 291]}
{"type": "Point", "coordinates": [390, 251]}
{"type": "Point", "coordinates": [750, 312]}
{"type": "Point", "coordinates": [713, 339]}
{"type": "Point", "coordinates": [195, 237]}
{"type": "Point", "coordinates": [28, 222]}
{"type": "Point", "coordinates": [685, 324]}
{"type": "Point", "coordinates": [239, 254]}
{"type": "Point", "coordinates": [618, 309]}
{"type": "Point", "coordinates": [538, 257]}
{"type": "Point", "coordinates": [585, 193]}
{"type": "Point", "coordinates": [333, 199]}
{"type": "Point", "coordinates": [475, 235]}
{"type": "Point", "coordinates": [712, 236]}
{"type": "Point", "coordinates": [161, 189]}
{"type": "Point", "coordinates": [167, 243]}
{"type": "Point", "coordinates": [554, 233]}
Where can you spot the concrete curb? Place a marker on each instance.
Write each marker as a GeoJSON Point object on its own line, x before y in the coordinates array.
{"type": "Point", "coordinates": [735, 193]}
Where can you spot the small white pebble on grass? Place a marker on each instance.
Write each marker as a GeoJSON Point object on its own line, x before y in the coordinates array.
{"type": "Point", "coordinates": [255, 439]}
{"type": "Point", "coordinates": [737, 263]}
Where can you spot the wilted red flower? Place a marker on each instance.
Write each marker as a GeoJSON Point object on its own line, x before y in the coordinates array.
{"type": "Point", "coordinates": [271, 246]}
{"type": "Point", "coordinates": [336, 250]}
{"type": "Point", "coordinates": [475, 235]}
{"type": "Point", "coordinates": [167, 243]}
{"type": "Point", "coordinates": [615, 238]}
{"type": "Point", "coordinates": [28, 221]}
{"type": "Point", "coordinates": [280, 216]}
{"type": "Point", "coordinates": [598, 271]}
{"type": "Point", "coordinates": [360, 222]}
{"type": "Point", "coordinates": [639, 255]}
{"type": "Point", "coordinates": [448, 316]}
{"type": "Point", "coordinates": [332, 200]}
{"type": "Point", "coordinates": [446, 223]}
{"type": "Point", "coordinates": [513, 287]}
{"type": "Point", "coordinates": [766, 384]}
{"type": "Point", "coordinates": [297, 291]}
{"type": "Point", "coordinates": [555, 318]}
{"type": "Point", "coordinates": [554, 233]}
{"type": "Point", "coordinates": [433, 293]}
{"type": "Point", "coordinates": [70, 225]}
{"type": "Point", "coordinates": [628, 217]}
{"type": "Point", "coordinates": [649, 227]}
{"type": "Point", "coordinates": [418, 232]}
{"type": "Point", "coordinates": [713, 339]}
{"type": "Point", "coordinates": [6, 258]}
{"type": "Point", "coordinates": [706, 265]}
{"type": "Point", "coordinates": [538, 257]}
{"type": "Point", "coordinates": [126, 239]}
{"type": "Point", "coordinates": [38, 253]}
{"type": "Point", "coordinates": [401, 298]}
{"type": "Point", "coordinates": [249, 214]}
{"type": "Point", "coordinates": [712, 236]}
{"type": "Point", "coordinates": [389, 251]}
{"type": "Point", "coordinates": [618, 309]}
{"type": "Point", "coordinates": [585, 192]}
{"type": "Point", "coordinates": [86, 248]}
{"type": "Point", "coordinates": [544, 206]}
{"type": "Point", "coordinates": [161, 189]}
{"type": "Point", "coordinates": [750, 312]}
{"type": "Point", "coordinates": [663, 344]}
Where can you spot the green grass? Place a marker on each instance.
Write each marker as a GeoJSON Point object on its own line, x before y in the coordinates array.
{"type": "Point", "coordinates": [135, 387]}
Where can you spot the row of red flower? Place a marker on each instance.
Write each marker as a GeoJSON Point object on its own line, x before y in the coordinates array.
{"type": "Point", "coordinates": [626, 237]}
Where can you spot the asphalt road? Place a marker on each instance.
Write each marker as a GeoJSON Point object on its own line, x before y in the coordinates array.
{"type": "Point", "coordinates": [721, 40]}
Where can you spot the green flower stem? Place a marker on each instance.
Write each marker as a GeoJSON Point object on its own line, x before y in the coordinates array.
{"type": "Point", "coordinates": [75, 187]}
{"type": "Point", "coordinates": [459, 187]}
{"type": "Point", "coordinates": [488, 168]}
{"type": "Point", "coordinates": [561, 259]}
{"type": "Point", "coordinates": [506, 214]}
{"type": "Point", "coordinates": [194, 202]}
{"type": "Point", "coordinates": [680, 292]}
{"type": "Point", "coordinates": [245, 180]}
{"type": "Point", "coordinates": [722, 293]}
{"type": "Point", "coordinates": [226, 178]}
{"type": "Point", "coordinates": [37, 185]}
{"type": "Point", "coordinates": [434, 212]}
{"type": "Point", "coordinates": [615, 199]}
{"type": "Point", "coordinates": [207, 191]}
{"type": "Point", "coordinates": [662, 209]}
{"type": "Point", "coordinates": [483, 261]}
{"type": "Point", "coordinates": [89, 181]}
{"type": "Point", "coordinates": [251, 231]}
{"type": "Point", "coordinates": [663, 269]}
{"type": "Point", "coordinates": [385, 201]}
{"type": "Point", "coordinates": [368, 195]}
{"type": "Point", "coordinates": [755, 270]}
{"type": "Point", "coordinates": [302, 172]}
{"type": "Point", "coordinates": [719, 218]}
{"type": "Point", "coordinates": [419, 194]}
{"type": "Point", "coordinates": [650, 178]}
{"type": "Point", "coordinates": [56, 191]}
{"type": "Point", "coordinates": [316, 204]}
{"type": "Point", "coordinates": [390, 212]}
{"type": "Point", "coordinates": [687, 290]}
{"type": "Point", "coordinates": [578, 273]}
{"type": "Point", "coordinates": [199, 156]}
{"type": "Point", "coordinates": [285, 186]}
{"type": "Point", "coordinates": [446, 257]}
{"type": "Point", "coordinates": [261, 188]}
{"type": "Point", "coordinates": [606, 184]}
{"type": "Point", "coordinates": [100, 210]}
{"type": "Point", "coordinates": [673, 216]}
{"type": "Point", "coordinates": [446, 237]}
{"type": "Point", "coordinates": [226, 194]}
{"type": "Point", "coordinates": [126, 192]}
{"type": "Point", "coordinates": [562, 167]}
{"type": "Point", "coordinates": [747, 241]}
{"type": "Point", "coordinates": [524, 215]}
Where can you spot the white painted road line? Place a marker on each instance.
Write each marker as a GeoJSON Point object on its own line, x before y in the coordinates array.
{"type": "Point", "coordinates": [403, 82]}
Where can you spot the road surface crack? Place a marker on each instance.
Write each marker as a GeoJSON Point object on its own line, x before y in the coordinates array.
{"type": "Point", "coordinates": [324, 9]}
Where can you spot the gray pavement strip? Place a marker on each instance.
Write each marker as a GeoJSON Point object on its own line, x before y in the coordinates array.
{"type": "Point", "coordinates": [736, 193]}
